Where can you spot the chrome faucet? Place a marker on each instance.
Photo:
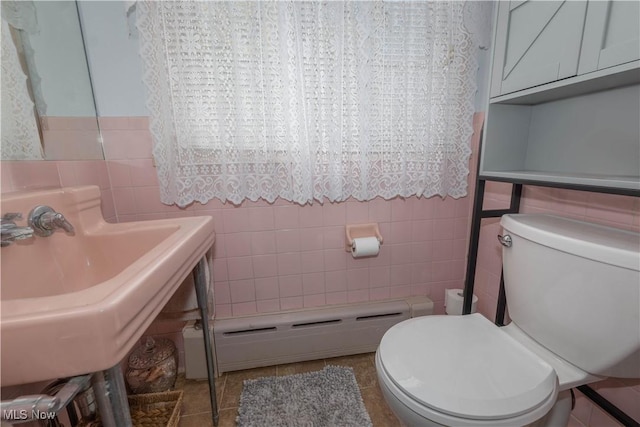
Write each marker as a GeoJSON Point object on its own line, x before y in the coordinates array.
{"type": "Point", "coordinates": [10, 231]}
{"type": "Point", "coordinates": [44, 221]}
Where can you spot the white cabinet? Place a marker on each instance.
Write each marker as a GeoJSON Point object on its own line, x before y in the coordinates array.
{"type": "Point", "coordinates": [611, 36]}
{"type": "Point", "coordinates": [539, 42]}
{"type": "Point", "coordinates": [536, 42]}
{"type": "Point", "coordinates": [565, 95]}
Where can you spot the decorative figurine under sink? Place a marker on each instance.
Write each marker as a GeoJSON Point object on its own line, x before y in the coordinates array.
{"type": "Point", "coordinates": [153, 366]}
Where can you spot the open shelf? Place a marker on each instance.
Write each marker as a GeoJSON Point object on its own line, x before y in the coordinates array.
{"type": "Point", "coordinates": [622, 75]}
{"type": "Point", "coordinates": [585, 140]}
{"type": "Point", "coordinates": [628, 185]}
{"type": "Point", "coordinates": [568, 116]}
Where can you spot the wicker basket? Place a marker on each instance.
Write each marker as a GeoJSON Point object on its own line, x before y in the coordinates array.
{"type": "Point", "coordinates": [156, 409]}
{"type": "Point", "coordinates": [151, 410]}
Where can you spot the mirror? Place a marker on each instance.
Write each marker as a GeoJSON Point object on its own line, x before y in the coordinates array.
{"type": "Point", "coordinates": [46, 79]}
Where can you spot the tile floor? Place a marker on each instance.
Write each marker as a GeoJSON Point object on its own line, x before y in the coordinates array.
{"type": "Point", "coordinates": [196, 411]}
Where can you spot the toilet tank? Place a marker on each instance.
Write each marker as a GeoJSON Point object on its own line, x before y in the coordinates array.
{"type": "Point", "coordinates": [574, 287]}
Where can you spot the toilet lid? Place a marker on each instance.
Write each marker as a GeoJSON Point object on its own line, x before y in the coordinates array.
{"type": "Point", "coordinates": [465, 366]}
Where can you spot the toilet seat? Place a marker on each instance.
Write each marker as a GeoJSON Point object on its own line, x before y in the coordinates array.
{"type": "Point", "coordinates": [455, 368]}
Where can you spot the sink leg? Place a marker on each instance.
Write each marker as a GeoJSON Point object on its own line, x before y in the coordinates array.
{"type": "Point", "coordinates": [111, 395]}
{"type": "Point", "coordinates": [201, 294]}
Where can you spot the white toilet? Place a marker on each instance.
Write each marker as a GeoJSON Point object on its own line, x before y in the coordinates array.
{"type": "Point", "coordinates": [573, 293]}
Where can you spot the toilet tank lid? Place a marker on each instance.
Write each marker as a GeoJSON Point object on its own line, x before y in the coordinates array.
{"type": "Point", "coordinates": [593, 241]}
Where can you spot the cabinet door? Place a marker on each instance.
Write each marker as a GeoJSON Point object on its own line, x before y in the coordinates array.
{"type": "Point", "coordinates": [537, 42]}
{"type": "Point", "coordinates": [611, 35]}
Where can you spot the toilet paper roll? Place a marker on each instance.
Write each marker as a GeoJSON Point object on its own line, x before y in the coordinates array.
{"type": "Point", "coordinates": [454, 301]}
{"type": "Point", "coordinates": [365, 246]}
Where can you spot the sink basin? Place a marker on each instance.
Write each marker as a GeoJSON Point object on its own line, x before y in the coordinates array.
{"type": "Point", "coordinates": [74, 304]}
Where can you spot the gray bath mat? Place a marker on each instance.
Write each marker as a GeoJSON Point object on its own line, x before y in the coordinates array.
{"type": "Point", "coordinates": [325, 398]}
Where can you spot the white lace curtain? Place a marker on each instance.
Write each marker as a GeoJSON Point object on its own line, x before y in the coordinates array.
{"type": "Point", "coordinates": [308, 100]}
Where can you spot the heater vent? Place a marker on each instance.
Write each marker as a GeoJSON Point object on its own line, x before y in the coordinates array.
{"type": "Point", "coordinates": [250, 331]}
{"type": "Point", "coordinates": [378, 316]}
{"type": "Point", "coordinates": [295, 336]}
{"type": "Point", "coordinates": [317, 323]}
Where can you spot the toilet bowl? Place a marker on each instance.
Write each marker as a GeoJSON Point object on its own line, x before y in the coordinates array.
{"type": "Point", "coordinates": [475, 374]}
{"type": "Point", "coordinates": [570, 286]}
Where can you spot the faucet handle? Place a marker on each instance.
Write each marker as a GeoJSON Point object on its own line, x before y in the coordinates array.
{"type": "Point", "coordinates": [10, 216]}
{"type": "Point", "coordinates": [61, 221]}
{"type": "Point", "coordinates": [44, 221]}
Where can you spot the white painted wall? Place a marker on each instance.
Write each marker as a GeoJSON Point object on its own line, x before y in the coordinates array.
{"type": "Point", "coordinates": [113, 57]}
{"type": "Point", "coordinates": [482, 93]}
{"type": "Point", "coordinates": [59, 61]}
{"type": "Point", "coordinates": [116, 67]}
{"type": "Point", "coordinates": [484, 56]}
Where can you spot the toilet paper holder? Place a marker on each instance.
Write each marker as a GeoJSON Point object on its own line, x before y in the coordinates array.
{"type": "Point", "coordinates": [355, 231]}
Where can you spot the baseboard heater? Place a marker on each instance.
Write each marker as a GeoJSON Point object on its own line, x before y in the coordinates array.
{"type": "Point", "coordinates": [295, 336]}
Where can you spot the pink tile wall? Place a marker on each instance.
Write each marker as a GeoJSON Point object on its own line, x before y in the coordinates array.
{"type": "Point", "coordinates": [282, 256]}
{"type": "Point", "coordinates": [71, 138]}
{"type": "Point", "coordinates": [27, 175]}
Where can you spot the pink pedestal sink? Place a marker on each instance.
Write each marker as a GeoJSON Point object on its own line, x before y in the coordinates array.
{"type": "Point", "coordinates": [75, 304]}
